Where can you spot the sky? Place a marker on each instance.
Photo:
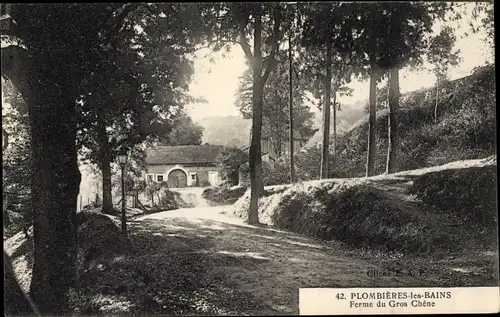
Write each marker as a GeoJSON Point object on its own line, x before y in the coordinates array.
{"type": "Point", "coordinates": [217, 82]}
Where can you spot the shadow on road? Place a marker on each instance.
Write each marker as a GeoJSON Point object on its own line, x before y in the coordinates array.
{"type": "Point", "coordinates": [215, 267]}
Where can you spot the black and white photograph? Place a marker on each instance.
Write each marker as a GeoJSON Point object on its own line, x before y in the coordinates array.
{"type": "Point", "coordinates": [214, 158]}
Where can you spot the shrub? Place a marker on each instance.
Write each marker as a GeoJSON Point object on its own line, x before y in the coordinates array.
{"type": "Point", "coordinates": [99, 237]}
{"type": "Point", "coordinates": [468, 194]}
{"type": "Point", "coordinates": [307, 167]}
{"type": "Point", "coordinates": [169, 200]}
{"type": "Point", "coordinates": [223, 194]}
{"type": "Point", "coordinates": [229, 161]}
{"type": "Point", "coordinates": [356, 214]}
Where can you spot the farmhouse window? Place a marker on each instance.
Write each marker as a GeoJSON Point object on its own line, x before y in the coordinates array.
{"type": "Point", "coordinates": [149, 178]}
{"type": "Point", "coordinates": [159, 178]}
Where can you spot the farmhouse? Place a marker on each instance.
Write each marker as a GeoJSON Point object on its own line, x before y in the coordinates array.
{"type": "Point", "coordinates": [183, 166]}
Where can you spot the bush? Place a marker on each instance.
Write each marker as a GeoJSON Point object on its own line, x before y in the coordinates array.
{"type": "Point", "coordinates": [223, 194]}
{"type": "Point", "coordinates": [99, 237]}
{"type": "Point", "coordinates": [356, 214]}
{"type": "Point", "coordinates": [468, 194]}
{"type": "Point", "coordinates": [307, 167]}
{"type": "Point", "coordinates": [228, 163]}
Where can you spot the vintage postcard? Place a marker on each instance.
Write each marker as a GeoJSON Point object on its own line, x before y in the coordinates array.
{"type": "Point", "coordinates": [253, 158]}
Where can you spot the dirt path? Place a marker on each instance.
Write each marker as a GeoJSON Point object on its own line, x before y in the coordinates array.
{"type": "Point", "coordinates": [264, 266]}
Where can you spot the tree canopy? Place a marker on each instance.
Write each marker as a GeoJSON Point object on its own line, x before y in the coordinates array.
{"type": "Point", "coordinates": [184, 131]}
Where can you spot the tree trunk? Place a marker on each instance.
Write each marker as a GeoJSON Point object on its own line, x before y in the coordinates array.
{"type": "Point", "coordinates": [392, 151]}
{"type": "Point", "coordinates": [55, 178]}
{"type": "Point", "coordinates": [55, 187]}
{"type": "Point", "coordinates": [255, 156]}
{"type": "Point", "coordinates": [334, 143]}
{"type": "Point", "coordinates": [290, 90]}
{"type": "Point", "coordinates": [372, 149]}
{"type": "Point", "coordinates": [107, 198]}
{"type": "Point", "coordinates": [437, 100]}
{"type": "Point", "coordinates": [279, 145]}
{"type": "Point", "coordinates": [107, 202]}
{"type": "Point", "coordinates": [124, 215]}
{"type": "Point", "coordinates": [326, 114]}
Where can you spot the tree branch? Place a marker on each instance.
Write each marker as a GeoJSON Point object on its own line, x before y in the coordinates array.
{"type": "Point", "coordinates": [243, 41]}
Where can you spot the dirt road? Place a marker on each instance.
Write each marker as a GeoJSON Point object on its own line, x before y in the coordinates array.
{"type": "Point", "coordinates": [263, 266]}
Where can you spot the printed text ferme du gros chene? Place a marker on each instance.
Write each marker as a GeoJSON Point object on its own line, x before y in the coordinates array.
{"type": "Point", "coordinates": [393, 299]}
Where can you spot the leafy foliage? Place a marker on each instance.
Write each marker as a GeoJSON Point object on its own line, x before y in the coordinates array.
{"type": "Point", "coordinates": [136, 91]}
{"type": "Point", "coordinates": [483, 11]}
{"type": "Point", "coordinates": [464, 131]}
{"type": "Point", "coordinates": [229, 162]}
{"type": "Point", "coordinates": [185, 131]}
{"type": "Point", "coordinates": [17, 156]}
{"type": "Point", "coordinates": [16, 159]}
{"type": "Point", "coordinates": [153, 189]}
{"type": "Point", "coordinates": [322, 25]}
{"type": "Point", "coordinates": [275, 115]}
{"type": "Point", "coordinates": [440, 52]}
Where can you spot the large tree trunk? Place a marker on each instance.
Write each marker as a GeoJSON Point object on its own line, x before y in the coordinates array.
{"type": "Point", "coordinates": [55, 187]}
{"type": "Point", "coordinates": [392, 151]}
{"type": "Point", "coordinates": [290, 90]}
{"type": "Point", "coordinates": [326, 114]}
{"type": "Point", "coordinates": [55, 176]}
{"type": "Point", "coordinates": [255, 157]}
{"type": "Point", "coordinates": [107, 198]}
{"type": "Point", "coordinates": [372, 148]}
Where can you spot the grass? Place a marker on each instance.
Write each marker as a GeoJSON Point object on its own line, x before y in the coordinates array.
{"type": "Point", "coordinates": [441, 210]}
{"type": "Point", "coordinates": [465, 128]}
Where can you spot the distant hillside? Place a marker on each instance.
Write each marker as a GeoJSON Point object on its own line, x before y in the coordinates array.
{"type": "Point", "coordinates": [234, 130]}
{"type": "Point", "coordinates": [347, 117]}
{"type": "Point", "coordinates": [226, 130]}
{"type": "Point", "coordinates": [465, 129]}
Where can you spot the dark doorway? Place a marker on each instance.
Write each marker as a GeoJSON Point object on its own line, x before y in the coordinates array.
{"type": "Point", "coordinates": [177, 178]}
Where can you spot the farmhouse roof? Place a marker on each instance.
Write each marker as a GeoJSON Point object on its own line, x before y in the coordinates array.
{"type": "Point", "coordinates": [183, 154]}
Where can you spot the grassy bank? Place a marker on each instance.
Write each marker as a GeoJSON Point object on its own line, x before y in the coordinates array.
{"type": "Point", "coordinates": [444, 209]}
{"type": "Point", "coordinates": [464, 129]}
